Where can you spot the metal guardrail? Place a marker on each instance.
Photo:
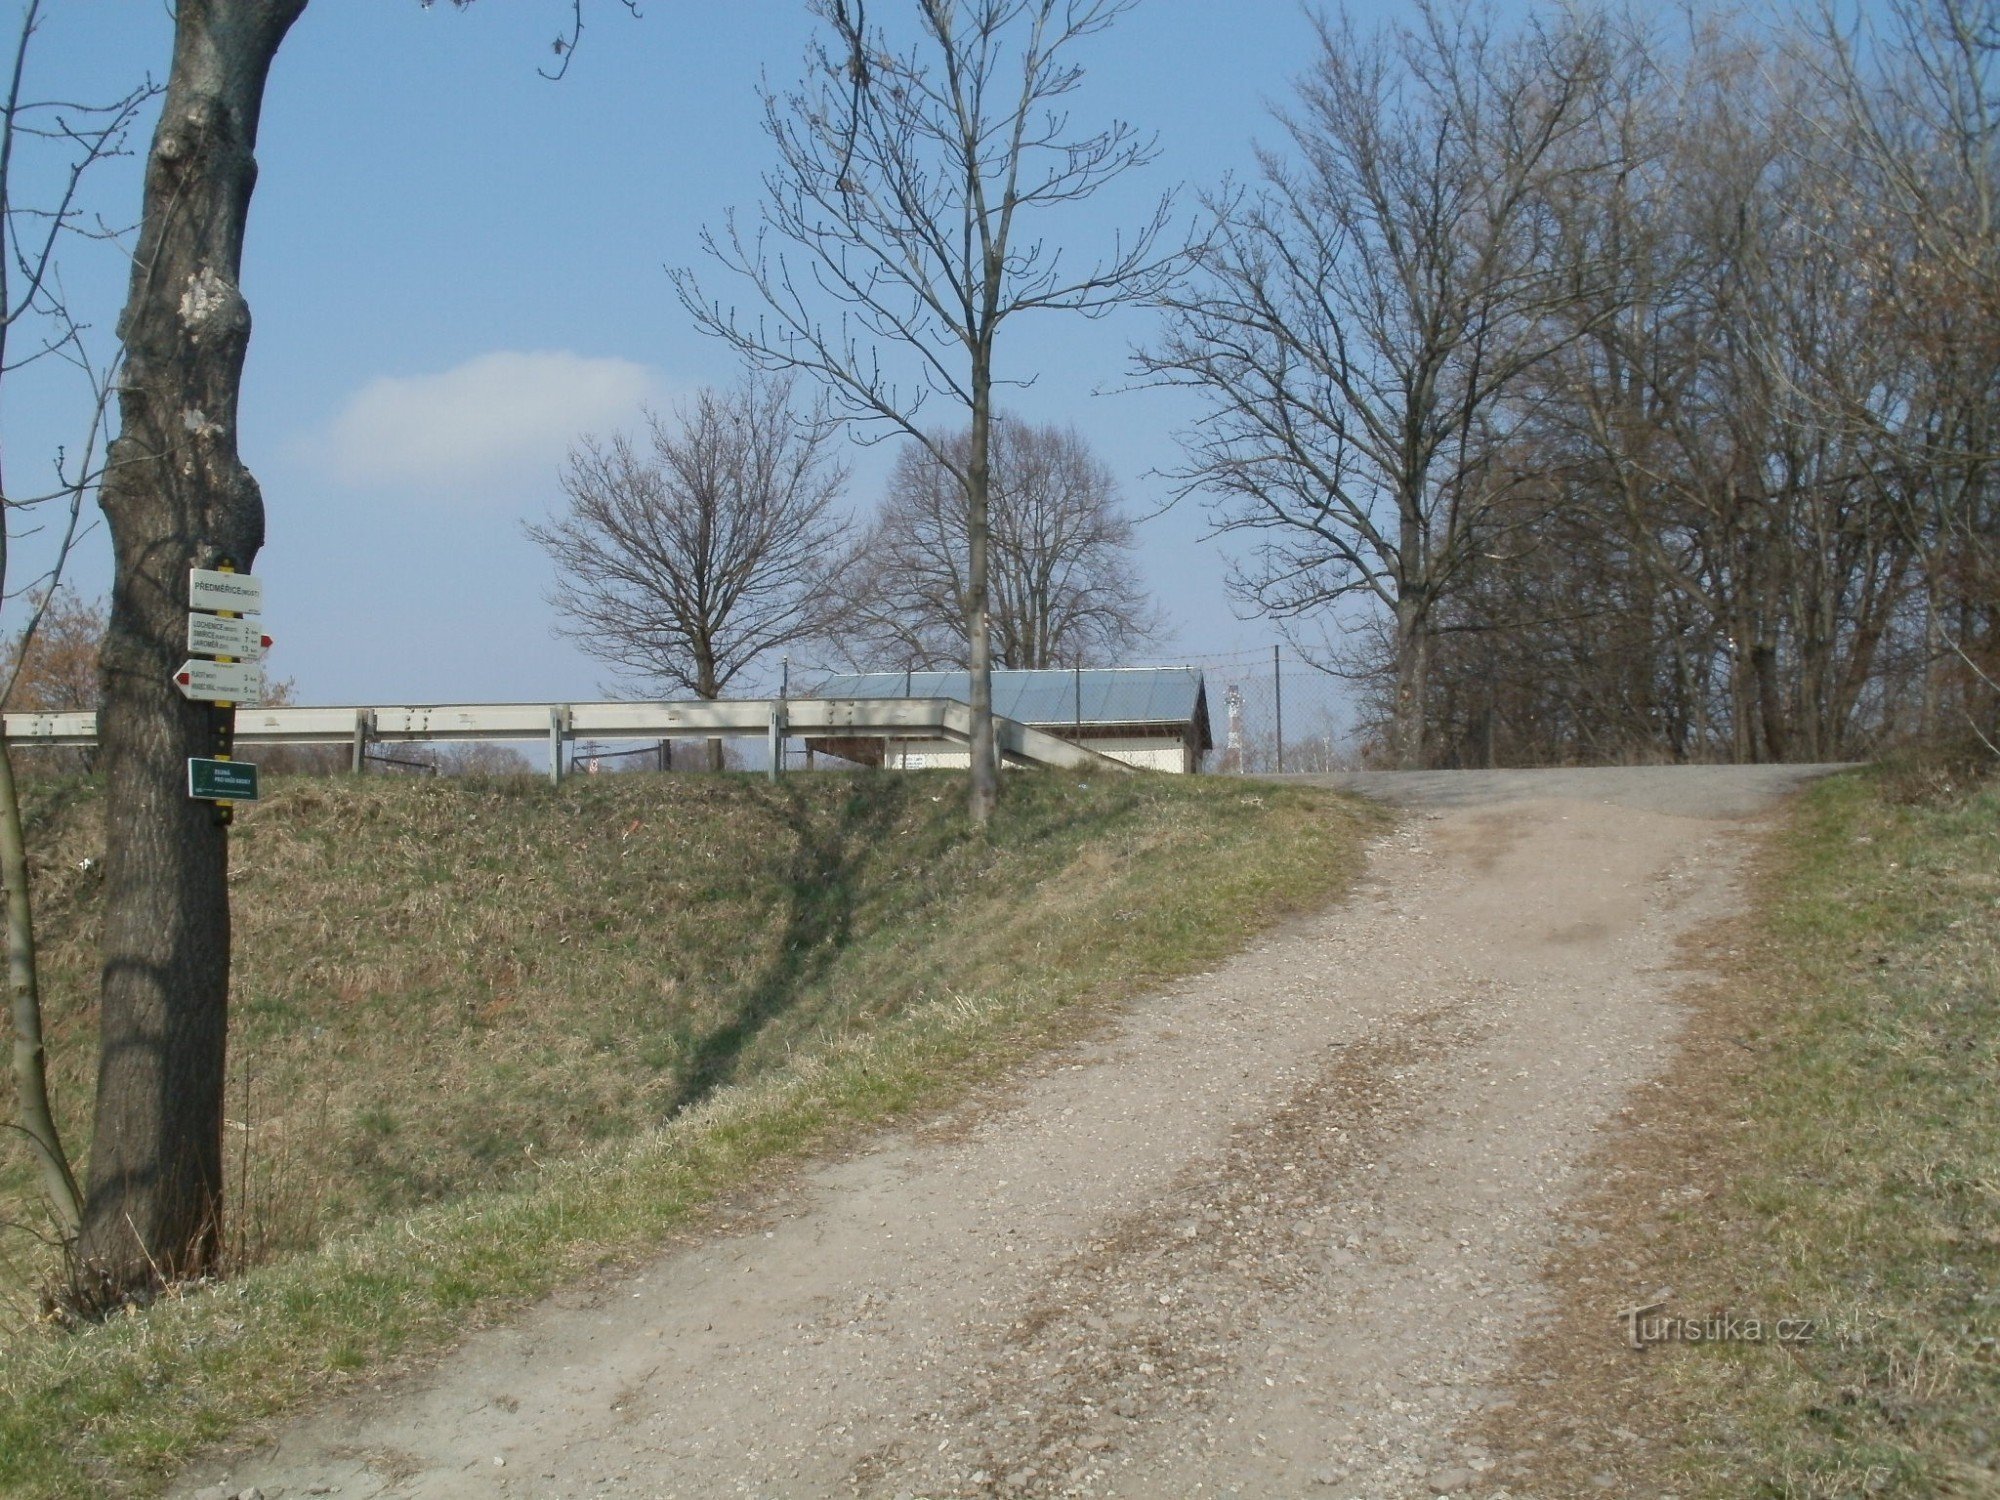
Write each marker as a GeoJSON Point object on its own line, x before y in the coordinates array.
{"type": "Point", "coordinates": [557, 723]}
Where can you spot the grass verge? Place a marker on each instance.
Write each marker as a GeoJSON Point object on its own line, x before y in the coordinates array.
{"type": "Point", "coordinates": [1828, 1150]}
{"type": "Point", "coordinates": [493, 1035]}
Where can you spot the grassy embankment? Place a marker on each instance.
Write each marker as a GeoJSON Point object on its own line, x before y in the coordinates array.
{"type": "Point", "coordinates": [1829, 1150]}
{"type": "Point", "coordinates": [488, 1036]}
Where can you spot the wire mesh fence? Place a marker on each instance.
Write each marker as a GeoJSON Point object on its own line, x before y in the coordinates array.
{"type": "Point", "coordinates": [1271, 711]}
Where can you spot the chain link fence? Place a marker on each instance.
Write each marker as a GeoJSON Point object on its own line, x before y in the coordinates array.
{"type": "Point", "coordinates": [1273, 711]}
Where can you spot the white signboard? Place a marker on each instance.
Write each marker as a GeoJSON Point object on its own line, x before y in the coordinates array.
{"type": "Point", "coordinates": [220, 681]}
{"type": "Point", "coordinates": [210, 589]}
{"type": "Point", "coordinates": [212, 635]}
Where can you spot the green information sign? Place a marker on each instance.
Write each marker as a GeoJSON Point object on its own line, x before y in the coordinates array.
{"type": "Point", "coordinates": [221, 780]}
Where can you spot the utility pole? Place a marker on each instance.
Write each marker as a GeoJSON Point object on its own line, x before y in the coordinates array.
{"type": "Point", "coordinates": [1278, 697]}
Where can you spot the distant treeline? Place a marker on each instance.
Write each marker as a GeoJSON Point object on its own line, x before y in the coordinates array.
{"type": "Point", "coordinates": [1639, 375]}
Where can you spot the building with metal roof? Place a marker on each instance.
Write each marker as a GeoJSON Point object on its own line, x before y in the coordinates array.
{"type": "Point", "coordinates": [1152, 717]}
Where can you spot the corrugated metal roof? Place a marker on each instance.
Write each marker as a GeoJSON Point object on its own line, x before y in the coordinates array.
{"type": "Point", "coordinates": [1051, 699]}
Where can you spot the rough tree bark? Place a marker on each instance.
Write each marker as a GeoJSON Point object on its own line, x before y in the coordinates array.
{"type": "Point", "coordinates": [176, 496]}
{"type": "Point", "coordinates": [1409, 720]}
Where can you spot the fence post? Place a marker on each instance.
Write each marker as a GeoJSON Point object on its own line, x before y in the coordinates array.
{"type": "Point", "coordinates": [556, 715]}
{"type": "Point", "coordinates": [1278, 697]}
{"type": "Point", "coordinates": [359, 764]}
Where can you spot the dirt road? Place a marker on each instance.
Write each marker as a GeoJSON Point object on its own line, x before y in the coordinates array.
{"type": "Point", "coordinates": [1272, 1237]}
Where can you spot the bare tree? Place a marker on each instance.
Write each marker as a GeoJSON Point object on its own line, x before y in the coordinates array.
{"type": "Point", "coordinates": [1730, 489]}
{"type": "Point", "coordinates": [1917, 97]}
{"type": "Point", "coordinates": [905, 186]}
{"type": "Point", "coordinates": [1065, 590]}
{"type": "Point", "coordinates": [43, 661]}
{"type": "Point", "coordinates": [1764, 369]}
{"type": "Point", "coordinates": [1363, 317]}
{"type": "Point", "coordinates": [687, 565]}
{"type": "Point", "coordinates": [1712, 514]}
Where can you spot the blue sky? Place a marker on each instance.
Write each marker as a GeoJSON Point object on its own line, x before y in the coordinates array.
{"type": "Point", "coordinates": [456, 268]}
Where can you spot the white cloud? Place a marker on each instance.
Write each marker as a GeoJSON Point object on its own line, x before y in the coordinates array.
{"type": "Point", "coordinates": [496, 426]}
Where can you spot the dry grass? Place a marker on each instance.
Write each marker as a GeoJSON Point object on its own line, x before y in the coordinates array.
{"type": "Point", "coordinates": [487, 1034]}
{"type": "Point", "coordinates": [1828, 1148]}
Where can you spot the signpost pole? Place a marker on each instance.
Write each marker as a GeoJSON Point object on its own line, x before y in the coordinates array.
{"type": "Point", "coordinates": [223, 731]}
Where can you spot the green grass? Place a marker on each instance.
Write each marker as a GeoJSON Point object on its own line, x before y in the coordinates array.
{"type": "Point", "coordinates": [1861, 1184]}
{"type": "Point", "coordinates": [491, 1035]}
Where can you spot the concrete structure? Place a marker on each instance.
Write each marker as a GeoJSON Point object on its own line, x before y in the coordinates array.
{"type": "Point", "coordinates": [1154, 718]}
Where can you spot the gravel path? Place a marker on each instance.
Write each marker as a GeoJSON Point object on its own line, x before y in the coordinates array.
{"type": "Point", "coordinates": [1273, 1237]}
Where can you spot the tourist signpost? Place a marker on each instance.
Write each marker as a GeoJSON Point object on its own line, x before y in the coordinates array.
{"type": "Point", "coordinates": [226, 590]}
{"type": "Point", "coordinates": [226, 635]}
{"type": "Point", "coordinates": [227, 682]}
{"type": "Point", "coordinates": [225, 670]}
{"type": "Point", "coordinates": [221, 780]}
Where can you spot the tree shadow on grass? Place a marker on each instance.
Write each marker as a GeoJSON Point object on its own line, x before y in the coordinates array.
{"type": "Point", "coordinates": [832, 852]}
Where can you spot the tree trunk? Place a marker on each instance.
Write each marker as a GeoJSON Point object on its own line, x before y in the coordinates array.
{"type": "Point", "coordinates": [708, 690]}
{"type": "Point", "coordinates": [30, 1066]}
{"type": "Point", "coordinates": [176, 495]}
{"type": "Point", "coordinates": [1770, 702]}
{"type": "Point", "coordinates": [1413, 659]}
{"type": "Point", "coordinates": [31, 1072]}
{"type": "Point", "coordinates": [985, 790]}
{"type": "Point", "coordinates": [1934, 654]}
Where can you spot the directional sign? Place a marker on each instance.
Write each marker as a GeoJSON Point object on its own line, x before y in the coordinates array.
{"type": "Point", "coordinates": [238, 592]}
{"type": "Point", "coordinates": [214, 635]}
{"type": "Point", "coordinates": [220, 681]}
{"type": "Point", "coordinates": [221, 780]}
